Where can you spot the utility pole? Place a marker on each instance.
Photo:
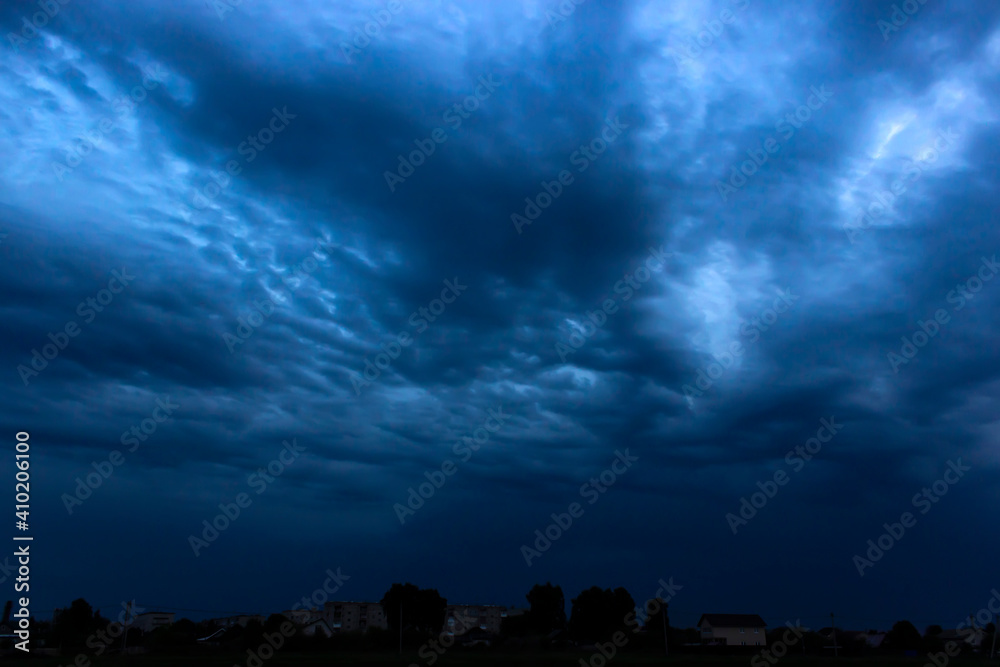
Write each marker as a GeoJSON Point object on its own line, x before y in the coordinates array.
{"type": "Point", "coordinates": [664, 613]}
{"type": "Point", "coordinates": [972, 624]}
{"type": "Point", "coordinates": [128, 609]}
{"type": "Point", "coordinates": [996, 629]}
{"type": "Point", "coordinates": [833, 632]}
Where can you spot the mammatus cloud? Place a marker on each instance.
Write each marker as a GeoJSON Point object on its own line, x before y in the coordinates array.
{"type": "Point", "coordinates": [235, 221]}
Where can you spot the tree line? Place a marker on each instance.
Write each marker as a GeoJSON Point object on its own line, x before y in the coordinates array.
{"type": "Point", "coordinates": [415, 615]}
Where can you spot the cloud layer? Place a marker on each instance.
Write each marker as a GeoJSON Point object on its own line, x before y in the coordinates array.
{"type": "Point", "coordinates": [285, 288]}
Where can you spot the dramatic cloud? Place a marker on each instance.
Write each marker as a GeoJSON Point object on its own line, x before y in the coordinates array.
{"type": "Point", "coordinates": [700, 233]}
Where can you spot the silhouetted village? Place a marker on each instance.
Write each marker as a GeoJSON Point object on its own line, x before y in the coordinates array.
{"type": "Point", "coordinates": [602, 623]}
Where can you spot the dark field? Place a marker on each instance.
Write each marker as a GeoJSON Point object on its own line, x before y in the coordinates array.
{"type": "Point", "coordinates": [497, 658]}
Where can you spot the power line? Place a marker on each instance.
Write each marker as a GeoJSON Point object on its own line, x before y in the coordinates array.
{"type": "Point", "coordinates": [99, 607]}
{"type": "Point", "coordinates": [206, 611]}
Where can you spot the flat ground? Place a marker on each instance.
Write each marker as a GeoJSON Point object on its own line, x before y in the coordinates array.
{"type": "Point", "coordinates": [498, 658]}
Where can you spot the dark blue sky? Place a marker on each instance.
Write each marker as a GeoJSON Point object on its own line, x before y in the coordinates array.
{"type": "Point", "coordinates": [428, 221]}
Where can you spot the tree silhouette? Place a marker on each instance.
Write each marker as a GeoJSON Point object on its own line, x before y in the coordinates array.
{"type": "Point", "coordinates": [988, 633]}
{"type": "Point", "coordinates": [253, 634]}
{"type": "Point", "coordinates": [274, 622]}
{"type": "Point", "coordinates": [516, 626]}
{"type": "Point", "coordinates": [423, 608]}
{"type": "Point", "coordinates": [597, 613]}
{"type": "Point", "coordinates": [72, 626]}
{"type": "Point", "coordinates": [548, 608]}
{"type": "Point", "coordinates": [181, 634]}
{"type": "Point", "coordinates": [903, 637]}
{"type": "Point", "coordinates": [654, 625]}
